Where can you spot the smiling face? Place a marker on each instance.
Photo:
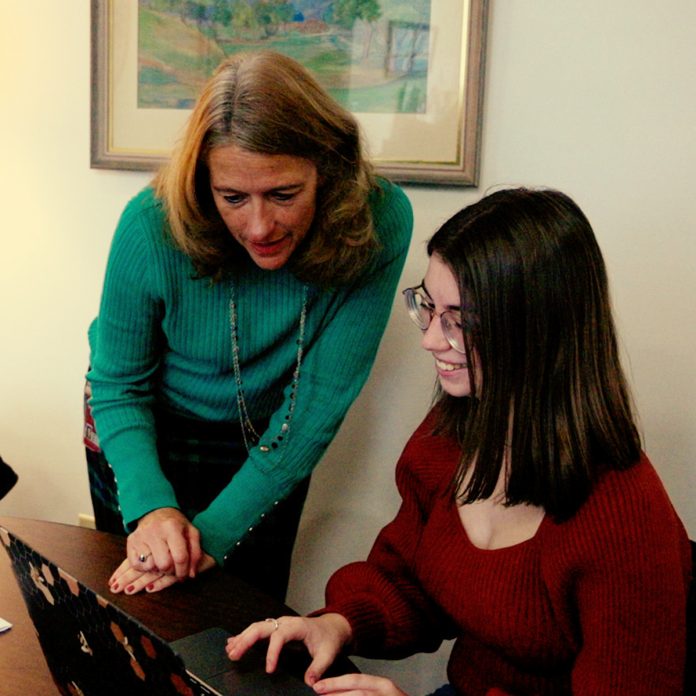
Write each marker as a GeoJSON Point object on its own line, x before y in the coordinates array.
{"type": "Point", "coordinates": [452, 370]}
{"type": "Point", "coordinates": [267, 202]}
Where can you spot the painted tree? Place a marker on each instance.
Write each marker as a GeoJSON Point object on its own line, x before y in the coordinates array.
{"type": "Point", "coordinates": [270, 14]}
{"type": "Point", "coordinates": [347, 12]}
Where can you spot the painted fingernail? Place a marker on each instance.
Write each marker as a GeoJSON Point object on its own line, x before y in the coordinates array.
{"type": "Point", "coordinates": [149, 588]}
{"type": "Point", "coordinates": [130, 589]}
{"type": "Point", "coordinates": [114, 587]}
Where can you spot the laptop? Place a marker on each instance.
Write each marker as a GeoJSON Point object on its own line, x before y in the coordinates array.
{"type": "Point", "coordinates": [94, 648]}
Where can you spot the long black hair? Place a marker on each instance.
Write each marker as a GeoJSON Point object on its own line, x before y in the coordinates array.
{"type": "Point", "coordinates": [551, 400]}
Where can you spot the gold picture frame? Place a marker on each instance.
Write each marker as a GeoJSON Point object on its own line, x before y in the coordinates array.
{"type": "Point", "coordinates": [439, 144]}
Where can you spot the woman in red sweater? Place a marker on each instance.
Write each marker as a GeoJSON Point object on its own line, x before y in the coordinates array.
{"type": "Point", "coordinates": [533, 529]}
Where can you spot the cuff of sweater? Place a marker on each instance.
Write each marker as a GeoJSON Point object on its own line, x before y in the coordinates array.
{"type": "Point", "coordinates": [236, 511]}
{"type": "Point", "coordinates": [365, 619]}
{"type": "Point", "coordinates": [141, 486]}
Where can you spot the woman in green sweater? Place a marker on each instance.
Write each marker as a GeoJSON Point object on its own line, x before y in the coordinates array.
{"type": "Point", "coordinates": [245, 296]}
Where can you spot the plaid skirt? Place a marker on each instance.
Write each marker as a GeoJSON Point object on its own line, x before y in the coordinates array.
{"type": "Point", "coordinates": [199, 458]}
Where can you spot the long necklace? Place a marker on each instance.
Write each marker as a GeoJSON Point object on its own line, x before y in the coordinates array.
{"type": "Point", "coordinates": [249, 434]}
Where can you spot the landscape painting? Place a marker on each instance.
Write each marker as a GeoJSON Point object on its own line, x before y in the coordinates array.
{"type": "Point", "coordinates": [371, 55]}
{"type": "Point", "coordinates": [410, 71]}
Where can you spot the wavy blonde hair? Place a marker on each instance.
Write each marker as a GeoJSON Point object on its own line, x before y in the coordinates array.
{"type": "Point", "coordinates": [267, 103]}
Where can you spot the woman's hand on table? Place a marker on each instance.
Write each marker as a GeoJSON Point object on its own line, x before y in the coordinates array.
{"type": "Point", "coordinates": [324, 636]}
{"type": "Point", "coordinates": [167, 542]}
{"type": "Point", "coordinates": [131, 580]}
{"type": "Point", "coordinates": [164, 549]}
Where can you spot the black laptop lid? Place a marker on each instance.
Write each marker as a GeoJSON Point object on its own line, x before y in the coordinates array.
{"type": "Point", "coordinates": [91, 646]}
{"type": "Point", "coordinates": [94, 648]}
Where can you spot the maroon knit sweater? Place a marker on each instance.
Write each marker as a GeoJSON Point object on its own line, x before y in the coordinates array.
{"type": "Point", "coordinates": [591, 606]}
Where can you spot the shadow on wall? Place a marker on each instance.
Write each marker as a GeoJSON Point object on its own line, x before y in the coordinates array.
{"type": "Point", "coordinates": [8, 478]}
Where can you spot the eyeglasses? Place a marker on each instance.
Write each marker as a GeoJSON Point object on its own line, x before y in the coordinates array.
{"type": "Point", "coordinates": [421, 311]}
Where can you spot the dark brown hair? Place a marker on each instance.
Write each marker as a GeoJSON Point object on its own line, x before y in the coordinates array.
{"type": "Point", "coordinates": [552, 399]}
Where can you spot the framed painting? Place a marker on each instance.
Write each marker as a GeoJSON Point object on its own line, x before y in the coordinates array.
{"type": "Point", "coordinates": [410, 71]}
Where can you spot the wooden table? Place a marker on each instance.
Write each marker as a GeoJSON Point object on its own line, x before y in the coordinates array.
{"type": "Point", "coordinates": [215, 598]}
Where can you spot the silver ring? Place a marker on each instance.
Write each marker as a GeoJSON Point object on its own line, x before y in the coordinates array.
{"type": "Point", "coordinates": [143, 557]}
{"type": "Point", "coordinates": [274, 622]}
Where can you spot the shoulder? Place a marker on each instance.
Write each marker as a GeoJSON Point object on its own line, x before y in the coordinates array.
{"type": "Point", "coordinates": [392, 214]}
{"type": "Point", "coordinates": [142, 245]}
{"type": "Point", "coordinates": [636, 492]}
{"type": "Point", "coordinates": [144, 203]}
{"type": "Point", "coordinates": [143, 224]}
{"type": "Point", "coordinates": [428, 462]}
{"type": "Point", "coordinates": [144, 213]}
{"type": "Point", "coordinates": [627, 519]}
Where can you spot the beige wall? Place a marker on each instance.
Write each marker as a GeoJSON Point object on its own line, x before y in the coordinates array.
{"type": "Point", "coordinates": [596, 98]}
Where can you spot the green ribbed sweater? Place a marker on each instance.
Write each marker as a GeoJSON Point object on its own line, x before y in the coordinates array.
{"type": "Point", "coordinates": [163, 337]}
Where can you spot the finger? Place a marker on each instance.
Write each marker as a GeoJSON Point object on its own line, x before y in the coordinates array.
{"type": "Point", "coordinates": [124, 576]}
{"type": "Point", "coordinates": [194, 549]}
{"type": "Point", "coordinates": [124, 567]}
{"type": "Point", "coordinates": [161, 555]}
{"type": "Point", "coordinates": [161, 546]}
{"type": "Point", "coordinates": [139, 553]}
{"type": "Point", "coordinates": [344, 682]}
{"type": "Point", "coordinates": [161, 583]}
{"type": "Point", "coordinates": [134, 581]}
{"type": "Point", "coordinates": [145, 561]}
{"type": "Point", "coordinates": [143, 581]}
{"type": "Point", "coordinates": [174, 556]}
{"type": "Point", "coordinates": [276, 642]}
{"type": "Point", "coordinates": [239, 644]}
{"type": "Point", "coordinates": [170, 551]}
{"type": "Point", "coordinates": [321, 661]}
{"type": "Point", "coordinates": [356, 684]}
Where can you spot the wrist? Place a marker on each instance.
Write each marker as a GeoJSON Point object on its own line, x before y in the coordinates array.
{"type": "Point", "coordinates": [339, 626]}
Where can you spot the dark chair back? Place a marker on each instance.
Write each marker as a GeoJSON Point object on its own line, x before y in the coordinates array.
{"type": "Point", "coordinates": [8, 478]}
{"type": "Point", "coordinates": [690, 674]}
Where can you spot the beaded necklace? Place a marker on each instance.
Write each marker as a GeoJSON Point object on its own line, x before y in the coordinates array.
{"type": "Point", "coordinates": [249, 434]}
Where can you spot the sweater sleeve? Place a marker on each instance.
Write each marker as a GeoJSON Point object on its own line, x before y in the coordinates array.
{"type": "Point", "coordinates": [334, 369]}
{"type": "Point", "coordinates": [125, 355]}
{"type": "Point", "coordinates": [631, 602]}
{"type": "Point", "coordinates": [390, 614]}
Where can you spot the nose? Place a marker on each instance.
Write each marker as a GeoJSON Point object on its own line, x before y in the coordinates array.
{"type": "Point", "coordinates": [434, 340]}
{"type": "Point", "coordinates": [260, 221]}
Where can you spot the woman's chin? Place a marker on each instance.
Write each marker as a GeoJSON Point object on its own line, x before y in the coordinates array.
{"type": "Point", "coordinates": [455, 387]}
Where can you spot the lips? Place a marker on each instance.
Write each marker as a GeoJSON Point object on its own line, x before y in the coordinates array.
{"type": "Point", "coordinates": [448, 366]}
{"type": "Point", "coordinates": [269, 248]}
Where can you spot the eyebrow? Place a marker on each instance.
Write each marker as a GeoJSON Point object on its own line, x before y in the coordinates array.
{"type": "Point", "coordinates": [455, 308]}
{"type": "Point", "coordinates": [293, 187]}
